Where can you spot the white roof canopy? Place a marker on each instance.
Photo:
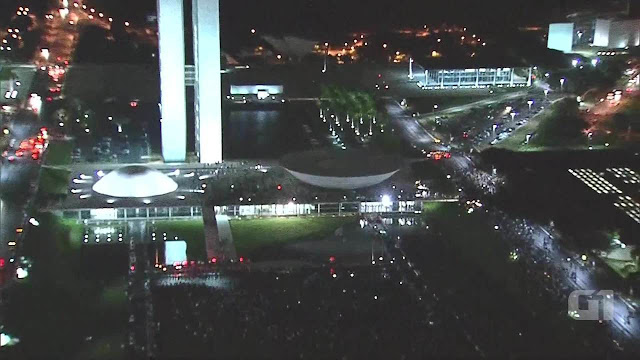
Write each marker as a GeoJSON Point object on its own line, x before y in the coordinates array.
{"type": "Point", "coordinates": [135, 181]}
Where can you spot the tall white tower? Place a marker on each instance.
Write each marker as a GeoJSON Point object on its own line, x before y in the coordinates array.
{"type": "Point", "coordinates": [208, 104]}
{"type": "Point", "coordinates": [173, 116]}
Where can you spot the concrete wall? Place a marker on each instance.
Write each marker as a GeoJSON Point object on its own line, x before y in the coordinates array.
{"type": "Point", "coordinates": [208, 91]}
{"type": "Point", "coordinates": [172, 85]}
{"type": "Point", "coordinates": [624, 33]}
{"type": "Point", "coordinates": [560, 37]}
{"type": "Point", "coordinates": [601, 36]}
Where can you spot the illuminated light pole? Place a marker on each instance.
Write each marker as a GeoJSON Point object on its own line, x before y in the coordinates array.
{"type": "Point", "coordinates": [530, 102]}
{"type": "Point", "coordinates": [513, 116]}
{"type": "Point", "coordinates": [411, 68]}
{"type": "Point", "coordinates": [326, 54]}
{"type": "Point", "coordinates": [435, 107]}
{"type": "Point", "coordinates": [546, 92]}
{"type": "Point", "coordinates": [562, 81]}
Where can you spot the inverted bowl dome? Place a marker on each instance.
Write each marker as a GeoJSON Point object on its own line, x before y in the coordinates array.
{"type": "Point", "coordinates": [135, 181]}
{"type": "Point", "coordinates": [336, 169]}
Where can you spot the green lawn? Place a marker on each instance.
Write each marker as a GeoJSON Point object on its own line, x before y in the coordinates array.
{"type": "Point", "coordinates": [255, 236]}
{"type": "Point", "coordinates": [54, 181]}
{"type": "Point", "coordinates": [59, 304]}
{"type": "Point", "coordinates": [75, 232]}
{"type": "Point", "coordinates": [515, 142]}
{"type": "Point", "coordinates": [191, 231]}
{"type": "Point", "coordinates": [59, 153]}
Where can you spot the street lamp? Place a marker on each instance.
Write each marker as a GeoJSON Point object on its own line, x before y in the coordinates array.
{"type": "Point", "coordinates": [513, 115]}
{"type": "Point", "coordinates": [326, 53]}
{"type": "Point", "coordinates": [411, 68]}
{"type": "Point", "coordinates": [546, 92]}
{"type": "Point", "coordinates": [530, 102]}
{"type": "Point", "coordinates": [562, 81]}
{"type": "Point", "coordinates": [435, 107]}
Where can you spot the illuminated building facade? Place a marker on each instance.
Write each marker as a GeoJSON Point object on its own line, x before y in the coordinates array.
{"type": "Point", "coordinates": [611, 31]}
{"type": "Point", "coordinates": [560, 37]}
{"type": "Point", "coordinates": [173, 79]}
{"type": "Point", "coordinates": [476, 78]}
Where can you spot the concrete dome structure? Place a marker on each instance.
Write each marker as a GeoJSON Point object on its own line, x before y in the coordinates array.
{"type": "Point", "coordinates": [340, 169]}
{"type": "Point", "coordinates": [135, 181]}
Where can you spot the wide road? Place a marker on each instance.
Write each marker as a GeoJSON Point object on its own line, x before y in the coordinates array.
{"type": "Point", "coordinates": [17, 180]}
{"type": "Point", "coordinates": [409, 127]}
{"type": "Point", "coordinates": [585, 272]}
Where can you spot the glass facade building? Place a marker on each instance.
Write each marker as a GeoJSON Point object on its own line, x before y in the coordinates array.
{"type": "Point", "coordinates": [477, 78]}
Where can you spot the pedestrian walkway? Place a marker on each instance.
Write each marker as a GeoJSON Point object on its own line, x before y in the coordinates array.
{"type": "Point", "coordinates": [218, 243]}
{"type": "Point", "coordinates": [225, 236]}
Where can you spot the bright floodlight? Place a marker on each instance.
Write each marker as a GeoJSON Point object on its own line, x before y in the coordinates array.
{"type": "Point", "coordinates": [386, 200]}
{"type": "Point", "coordinates": [6, 340]}
{"type": "Point", "coordinates": [175, 252]}
{"type": "Point", "coordinates": [135, 181]}
{"type": "Point", "coordinates": [21, 273]}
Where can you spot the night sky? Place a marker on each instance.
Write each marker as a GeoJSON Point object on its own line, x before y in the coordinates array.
{"type": "Point", "coordinates": [332, 17]}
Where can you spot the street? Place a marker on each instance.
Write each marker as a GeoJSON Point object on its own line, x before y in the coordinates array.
{"type": "Point", "coordinates": [625, 322]}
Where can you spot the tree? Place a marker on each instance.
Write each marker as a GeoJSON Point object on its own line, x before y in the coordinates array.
{"type": "Point", "coordinates": [93, 45]}
{"type": "Point", "coordinates": [564, 125]}
{"type": "Point", "coordinates": [7, 74]}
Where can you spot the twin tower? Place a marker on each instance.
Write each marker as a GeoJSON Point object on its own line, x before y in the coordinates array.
{"type": "Point", "coordinates": [206, 80]}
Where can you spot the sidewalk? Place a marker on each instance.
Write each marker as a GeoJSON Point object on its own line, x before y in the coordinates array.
{"type": "Point", "coordinates": [217, 234]}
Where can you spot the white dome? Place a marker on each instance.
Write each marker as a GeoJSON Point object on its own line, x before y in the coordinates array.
{"type": "Point", "coordinates": [135, 181]}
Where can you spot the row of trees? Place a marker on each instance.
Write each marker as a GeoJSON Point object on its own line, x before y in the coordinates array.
{"type": "Point", "coordinates": [348, 104]}
{"type": "Point", "coordinates": [627, 121]}
{"type": "Point", "coordinates": [97, 45]}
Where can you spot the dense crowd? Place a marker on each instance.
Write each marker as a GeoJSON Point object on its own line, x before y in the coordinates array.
{"type": "Point", "coordinates": [260, 185]}
{"type": "Point", "coordinates": [358, 313]}
{"type": "Point", "coordinates": [548, 273]}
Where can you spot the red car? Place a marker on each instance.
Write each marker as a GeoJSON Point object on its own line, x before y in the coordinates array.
{"type": "Point", "coordinates": [438, 155]}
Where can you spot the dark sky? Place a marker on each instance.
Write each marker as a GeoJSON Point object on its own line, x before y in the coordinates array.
{"type": "Point", "coordinates": [315, 17]}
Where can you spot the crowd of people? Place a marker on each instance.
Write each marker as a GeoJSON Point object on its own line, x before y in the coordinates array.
{"type": "Point", "coordinates": [547, 277]}
{"type": "Point", "coordinates": [265, 185]}
{"type": "Point", "coordinates": [332, 313]}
